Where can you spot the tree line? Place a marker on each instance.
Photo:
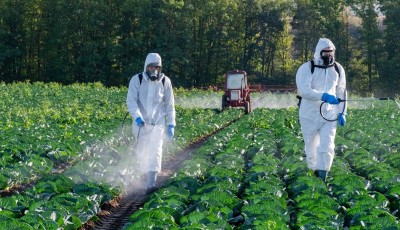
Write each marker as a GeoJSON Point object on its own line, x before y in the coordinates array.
{"type": "Point", "coordinates": [199, 40]}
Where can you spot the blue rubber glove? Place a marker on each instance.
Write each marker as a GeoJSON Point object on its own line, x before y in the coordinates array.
{"type": "Point", "coordinates": [140, 122]}
{"type": "Point", "coordinates": [341, 119]}
{"type": "Point", "coordinates": [330, 99]}
{"type": "Point", "coordinates": [170, 131]}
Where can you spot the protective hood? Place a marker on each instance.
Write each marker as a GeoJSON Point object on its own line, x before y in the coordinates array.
{"type": "Point", "coordinates": [152, 58]}
{"type": "Point", "coordinates": [322, 44]}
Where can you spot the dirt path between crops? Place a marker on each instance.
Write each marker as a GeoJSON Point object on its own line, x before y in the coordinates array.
{"type": "Point", "coordinates": [115, 214]}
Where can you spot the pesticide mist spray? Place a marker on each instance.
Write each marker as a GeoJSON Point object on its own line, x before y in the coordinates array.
{"type": "Point", "coordinates": [213, 100]}
{"type": "Point", "coordinates": [111, 161]}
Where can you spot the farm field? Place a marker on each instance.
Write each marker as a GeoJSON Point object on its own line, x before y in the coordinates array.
{"type": "Point", "coordinates": [66, 150]}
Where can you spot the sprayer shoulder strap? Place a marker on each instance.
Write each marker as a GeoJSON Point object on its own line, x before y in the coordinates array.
{"type": "Point", "coordinates": [334, 65]}
{"type": "Point", "coordinates": [141, 78]}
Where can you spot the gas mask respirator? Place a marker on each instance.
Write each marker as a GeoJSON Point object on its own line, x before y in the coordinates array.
{"type": "Point", "coordinates": [153, 72]}
{"type": "Point", "coordinates": [327, 56]}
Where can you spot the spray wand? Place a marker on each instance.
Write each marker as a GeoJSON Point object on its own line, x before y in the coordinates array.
{"type": "Point", "coordinates": [368, 99]}
{"type": "Point", "coordinates": [122, 128]}
{"type": "Point", "coordinates": [333, 116]}
{"type": "Point", "coordinates": [123, 121]}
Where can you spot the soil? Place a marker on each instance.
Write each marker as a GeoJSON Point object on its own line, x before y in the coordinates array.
{"type": "Point", "coordinates": [115, 214]}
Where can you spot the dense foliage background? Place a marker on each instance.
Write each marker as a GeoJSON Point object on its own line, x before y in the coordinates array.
{"type": "Point", "coordinates": [199, 40]}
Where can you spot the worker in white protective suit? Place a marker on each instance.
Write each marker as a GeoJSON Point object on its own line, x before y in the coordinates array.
{"type": "Point", "coordinates": [325, 83]}
{"type": "Point", "coordinates": [150, 102]}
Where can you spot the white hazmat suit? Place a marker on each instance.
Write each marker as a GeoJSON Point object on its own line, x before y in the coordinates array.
{"type": "Point", "coordinates": [153, 101]}
{"type": "Point", "coordinates": [319, 134]}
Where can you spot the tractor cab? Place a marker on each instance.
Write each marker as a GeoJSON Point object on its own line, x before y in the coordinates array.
{"type": "Point", "coordinates": [237, 91]}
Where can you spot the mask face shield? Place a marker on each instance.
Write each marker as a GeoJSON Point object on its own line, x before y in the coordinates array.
{"type": "Point", "coordinates": [327, 56]}
{"type": "Point", "coordinates": [153, 70]}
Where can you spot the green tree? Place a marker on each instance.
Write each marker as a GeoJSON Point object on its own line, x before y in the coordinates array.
{"type": "Point", "coordinates": [314, 19]}
{"type": "Point", "coordinates": [390, 67]}
{"type": "Point", "coordinates": [371, 38]}
{"type": "Point", "coordinates": [199, 40]}
{"type": "Point", "coordinates": [306, 27]}
{"type": "Point", "coordinates": [12, 36]}
{"type": "Point", "coordinates": [333, 26]}
{"type": "Point", "coordinates": [267, 40]}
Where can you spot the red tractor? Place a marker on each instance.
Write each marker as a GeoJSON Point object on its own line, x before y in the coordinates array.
{"type": "Point", "coordinates": [237, 91]}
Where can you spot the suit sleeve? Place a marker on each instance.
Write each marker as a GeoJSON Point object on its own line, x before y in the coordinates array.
{"type": "Point", "coordinates": [341, 89]}
{"type": "Point", "coordinates": [303, 82]}
{"type": "Point", "coordinates": [133, 97]}
{"type": "Point", "coordinates": [169, 103]}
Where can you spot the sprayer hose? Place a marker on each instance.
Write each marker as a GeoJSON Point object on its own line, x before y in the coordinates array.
{"type": "Point", "coordinates": [331, 120]}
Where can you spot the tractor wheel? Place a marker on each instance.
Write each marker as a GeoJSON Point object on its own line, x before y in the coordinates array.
{"type": "Point", "coordinates": [247, 107]}
{"type": "Point", "coordinates": [250, 106]}
{"type": "Point", "coordinates": [224, 102]}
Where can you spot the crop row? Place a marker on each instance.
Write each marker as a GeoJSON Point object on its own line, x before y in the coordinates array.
{"type": "Point", "coordinates": [65, 166]}
{"type": "Point", "coordinates": [70, 199]}
{"type": "Point", "coordinates": [231, 182]}
{"type": "Point", "coordinates": [45, 126]}
{"type": "Point", "coordinates": [253, 175]}
{"type": "Point", "coordinates": [208, 190]}
{"type": "Point", "coordinates": [66, 146]}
